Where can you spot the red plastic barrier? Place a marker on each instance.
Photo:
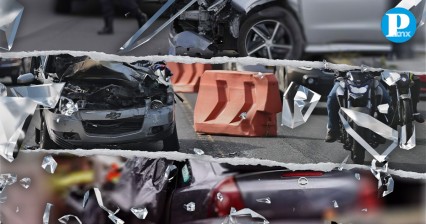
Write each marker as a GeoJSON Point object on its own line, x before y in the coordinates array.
{"type": "Point", "coordinates": [186, 77]}
{"type": "Point", "coordinates": [225, 95]}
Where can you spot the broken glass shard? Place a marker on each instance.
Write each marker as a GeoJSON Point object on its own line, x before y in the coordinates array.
{"type": "Point", "coordinates": [411, 142]}
{"type": "Point", "coordinates": [243, 115]}
{"type": "Point", "coordinates": [25, 182]}
{"type": "Point", "coordinates": [298, 104]}
{"type": "Point", "coordinates": [16, 114]}
{"type": "Point", "coordinates": [67, 106]}
{"type": "Point", "coordinates": [383, 108]}
{"type": "Point", "coordinates": [66, 218]}
{"type": "Point", "coordinates": [260, 75]}
{"type": "Point", "coordinates": [46, 95]}
{"type": "Point", "coordinates": [219, 196]}
{"type": "Point", "coordinates": [190, 207]}
{"type": "Point", "coordinates": [364, 210]}
{"type": "Point", "coordinates": [17, 209]}
{"type": "Point", "coordinates": [198, 151]}
{"type": "Point", "coordinates": [3, 199]}
{"type": "Point", "coordinates": [343, 163]}
{"type": "Point", "coordinates": [49, 164]}
{"type": "Point", "coordinates": [8, 178]}
{"type": "Point", "coordinates": [246, 212]}
{"type": "Point", "coordinates": [357, 176]}
{"type": "Point", "coordinates": [264, 200]}
{"type": "Point", "coordinates": [335, 205]}
{"type": "Point", "coordinates": [169, 170]}
{"type": "Point", "coordinates": [3, 90]}
{"type": "Point", "coordinates": [46, 213]}
{"type": "Point", "coordinates": [140, 213]}
{"type": "Point", "coordinates": [85, 198]}
{"type": "Point", "coordinates": [233, 210]}
{"type": "Point", "coordinates": [388, 184]}
{"type": "Point", "coordinates": [11, 13]}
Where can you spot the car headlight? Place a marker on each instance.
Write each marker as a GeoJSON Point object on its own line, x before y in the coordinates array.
{"type": "Point", "coordinates": [156, 104]}
{"type": "Point", "coordinates": [358, 90]}
{"type": "Point", "coordinates": [67, 107]}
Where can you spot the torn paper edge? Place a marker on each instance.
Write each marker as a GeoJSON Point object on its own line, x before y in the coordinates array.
{"type": "Point", "coordinates": [179, 156]}
{"type": "Point", "coordinates": [190, 60]}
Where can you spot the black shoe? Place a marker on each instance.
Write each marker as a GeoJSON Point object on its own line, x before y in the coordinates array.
{"type": "Point", "coordinates": [331, 136]}
{"type": "Point", "coordinates": [106, 31]}
{"type": "Point", "coordinates": [418, 117]}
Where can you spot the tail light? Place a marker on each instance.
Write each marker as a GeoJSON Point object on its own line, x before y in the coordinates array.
{"type": "Point", "coordinates": [225, 196]}
{"type": "Point", "coordinates": [303, 174]}
{"type": "Point", "coordinates": [368, 197]}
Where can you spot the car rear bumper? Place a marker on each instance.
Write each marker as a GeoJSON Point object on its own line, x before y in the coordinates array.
{"type": "Point", "coordinates": [93, 129]}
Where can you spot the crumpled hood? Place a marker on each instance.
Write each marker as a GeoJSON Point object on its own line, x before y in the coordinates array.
{"type": "Point", "coordinates": [91, 69]}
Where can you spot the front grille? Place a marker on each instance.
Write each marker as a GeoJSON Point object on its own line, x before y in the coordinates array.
{"type": "Point", "coordinates": [113, 126]}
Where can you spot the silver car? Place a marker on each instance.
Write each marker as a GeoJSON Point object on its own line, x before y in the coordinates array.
{"type": "Point", "coordinates": [286, 29]}
{"type": "Point", "coordinates": [105, 104]}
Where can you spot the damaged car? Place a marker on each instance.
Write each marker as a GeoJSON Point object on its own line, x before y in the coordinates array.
{"type": "Point", "coordinates": [105, 104]}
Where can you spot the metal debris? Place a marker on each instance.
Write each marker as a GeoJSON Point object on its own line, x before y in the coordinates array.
{"type": "Point", "coordinates": [405, 143]}
{"type": "Point", "coordinates": [111, 215]}
{"type": "Point", "coordinates": [140, 213]}
{"type": "Point", "coordinates": [219, 196]}
{"type": "Point", "coordinates": [335, 205]}
{"type": "Point", "coordinates": [243, 115]}
{"type": "Point", "coordinates": [298, 104]}
{"type": "Point", "coordinates": [385, 180]}
{"type": "Point", "coordinates": [198, 151]}
{"type": "Point", "coordinates": [264, 200]}
{"type": "Point", "coordinates": [65, 219]}
{"type": "Point", "coordinates": [25, 182]}
{"type": "Point", "coordinates": [46, 213]}
{"type": "Point", "coordinates": [49, 164]}
{"type": "Point", "coordinates": [190, 207]}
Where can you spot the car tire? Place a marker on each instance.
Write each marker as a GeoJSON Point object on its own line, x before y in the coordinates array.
{"type": "Point", "coordinates": [45, 141]}
{"type": "Point", "coordinates": [289, 45]}
{"type": "Point", "coordinates": [171, 142]}
{"type": "Point", "coordinates": [63, 6]}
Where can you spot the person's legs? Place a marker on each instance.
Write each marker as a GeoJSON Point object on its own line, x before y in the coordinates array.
{"type": "Point", "coordinates": [333, 116]}
{"type": "Point", "coordinates": [133, 8]}
{"type": "Point", "coordinates": [108, 14]}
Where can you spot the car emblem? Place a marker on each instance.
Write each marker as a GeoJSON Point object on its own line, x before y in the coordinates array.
{"type": "Point", "coordinates": [113, 115]}
{"type": "Point", "coordinates": [303, 181]}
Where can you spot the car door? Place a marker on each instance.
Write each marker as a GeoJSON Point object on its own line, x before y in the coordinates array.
{"type": "Point", "coordinates": [343, 21]}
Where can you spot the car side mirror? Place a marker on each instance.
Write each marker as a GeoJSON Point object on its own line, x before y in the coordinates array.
{"type": "Point", "coordinates": [26, 78]}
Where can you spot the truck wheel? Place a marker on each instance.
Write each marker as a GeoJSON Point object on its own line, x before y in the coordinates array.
{"type": "Point", "coordinates": [45, 141]}
{"type": "Point", "coordinates": [171, 143]}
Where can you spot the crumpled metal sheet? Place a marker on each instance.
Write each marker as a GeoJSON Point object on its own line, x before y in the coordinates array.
{"type": "Point", "coordinates": [403, 142]}
{"type": "Point", "coordinates": [298, 104]}
{"type": "Point", "coordinates": [189, 39]}
{"type": "Point", "coordinates": [367, 121]}
{"type": "Point", "coordinates": [10, 14]}
{"type": "Point", "coordinates": [16, 115]}
{"type": "Point", "coordinates": [46, 95]}
{"type": "Point", "coordinates": [143, 184]}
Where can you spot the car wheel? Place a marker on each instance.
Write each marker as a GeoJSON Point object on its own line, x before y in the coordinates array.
{"type": "Point", "coordinates": [271, 33]}
{"type": "Point", "coordinates": [171, 143]}
{"type": "Point", "coordinates": [45, 141]}
{"type": "Point", "coordinates": [63, 6]}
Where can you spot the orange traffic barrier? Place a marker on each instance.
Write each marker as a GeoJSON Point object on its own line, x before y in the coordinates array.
{"type": "Point", "coordinates": [186, 77]}
{"type": "Point", "coordinates": [237, 103]}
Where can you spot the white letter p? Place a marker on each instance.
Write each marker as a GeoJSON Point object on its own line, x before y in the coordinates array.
{"type": "Point", "coordinates": [393, 23]}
